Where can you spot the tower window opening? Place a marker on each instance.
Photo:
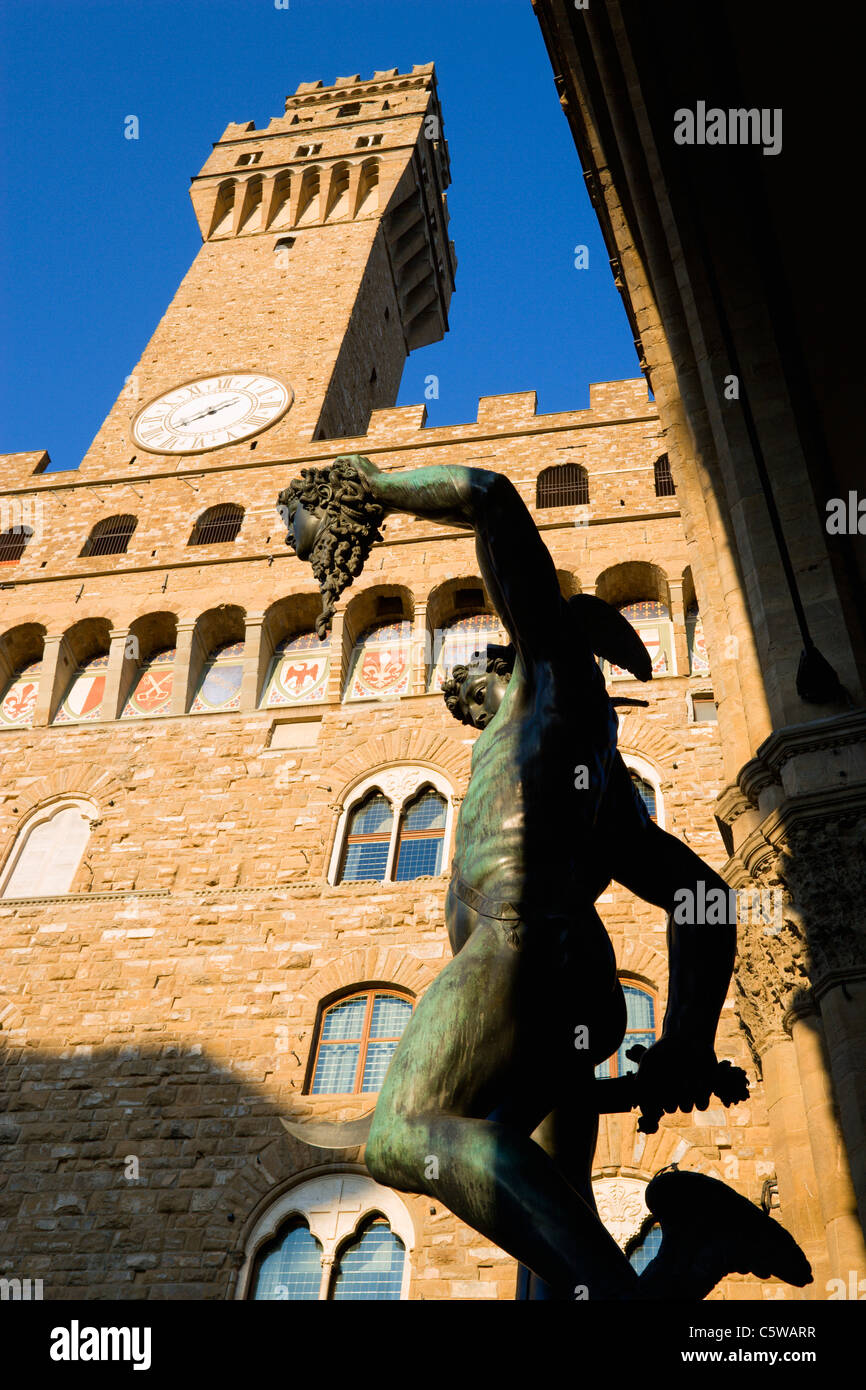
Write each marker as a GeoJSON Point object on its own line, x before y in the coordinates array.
{"type": "Point", "coordinates": [110, 537]}
{"type": "Point", "coordinates": [220, 523]}
{"type": "Point", "coordinates": [13, 543]}
{"type": "Point", "coordinates": [351, 108]}
{"type": "Point", "coordinates": [305, 151]}
{"type": "Point", "coordinates": [565, 485]}
{"type": "Point", "coordinates": [664, 482]}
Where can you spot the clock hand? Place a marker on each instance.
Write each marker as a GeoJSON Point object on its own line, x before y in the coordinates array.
{"type": "Point", "coordinates": [212, 411]}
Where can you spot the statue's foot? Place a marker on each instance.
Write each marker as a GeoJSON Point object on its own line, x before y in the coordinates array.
{"type": "Point", "coordinates": [710, 1231]}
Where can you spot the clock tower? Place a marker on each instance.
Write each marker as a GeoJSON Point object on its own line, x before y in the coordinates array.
{"type": "Point", "coordinates": [325, 259]}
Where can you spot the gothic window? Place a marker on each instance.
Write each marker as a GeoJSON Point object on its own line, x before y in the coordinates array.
{"type": "Point", "coordinates": [644, 1246]}
{"type": "Point", "coordinates": [458, 643]}
{"type": "Point", "coordinates": [219, 686]}
{"type": "Point", "coordinates": [289, 1267]}
{"type": "Point", "coordinates": [699, 659]}
{"type": "Point", "coordinates": [664, 482]}
{"type": "Point", "coordinates": [380, 663]}
{"type": "Point", "coordinates": [111, 536]}
{"type": "Point", "coordinates": [640, 1029]}
{"type": "Point", "coordinates": [306, 151]}
{"type": "Point", "coordinates": [563, 485]}
{"type": "Point", "coordinates": [151, 693]}
{"type": "Point", "coordinates": [298, 673]}
{"type": "Point", "coordinates": [652, 621]}
{"type": "Point", "coordinates": [646, 792]}
{"type": "Point", "coordinates": [358, 1036]}
{"type": "Point", "coordinates": [13, 543]}
{"type": "Point", "coordinates": [339, 1236]}
{"type": "Point", "coordinates": [370, 1266]}
{"type": "Point", "coordinates": [47, 851]}
{"type": "Point", "coordinates": [364, 142]}
{"type": "Point", "coordinates": [395, 827]}
{"type": "Point", "coordinates": [349, 108]}
{"type": "Point", "coordinates": [82, 702]}
{"type": "Point", "coordinates": [19, 697]}
{"type": "Point", "coordinates": [368, 841]}
{"type": "Point", "coordinates": [421, 835]}
{"type": "Point", "coordinates": [217, 524]}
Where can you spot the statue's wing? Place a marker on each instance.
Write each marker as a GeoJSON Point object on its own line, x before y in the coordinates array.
{"type": "Point", "coordinates": [610, 635]}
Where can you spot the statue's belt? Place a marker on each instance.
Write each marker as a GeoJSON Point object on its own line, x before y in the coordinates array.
{"type": "Point", "coordinates": [487, 907]}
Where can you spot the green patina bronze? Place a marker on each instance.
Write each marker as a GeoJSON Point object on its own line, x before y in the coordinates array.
{"type": "Point", "coordinates": [490, 1103]}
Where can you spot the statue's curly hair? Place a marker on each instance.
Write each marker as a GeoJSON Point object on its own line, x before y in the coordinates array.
{"type": "Point", "coordinates": [341, 494]}
{"type": "Point", "coordinates": [499, 662]}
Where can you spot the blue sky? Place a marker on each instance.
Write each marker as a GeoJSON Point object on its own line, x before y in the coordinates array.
{"type": "Point", "coordinates": [96, 231]}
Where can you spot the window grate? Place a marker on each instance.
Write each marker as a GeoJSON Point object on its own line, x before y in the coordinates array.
{"type": "Point", "coordinates": [220, 523]}
{"type": "Point", "coordinates": [563, 485]}
{"type": "Point", "coordinates": [110, 537]}
{"type": "Point", "coordinates": [13, 543]}
{"type": "Point", "coordinates": [664, 479]}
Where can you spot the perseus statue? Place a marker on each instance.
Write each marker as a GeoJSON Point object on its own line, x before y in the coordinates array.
{"type": "Point", "coordinates": [489, 1105]}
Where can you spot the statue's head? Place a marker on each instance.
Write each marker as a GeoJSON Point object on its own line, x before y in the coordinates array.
{"type": "Point", "coordinates": [332, 520]}
{"type": "Point", "coordinates": [474, 693]}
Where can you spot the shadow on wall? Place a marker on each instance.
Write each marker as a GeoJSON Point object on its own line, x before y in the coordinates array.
{"type": "Point", "coordinates": [132, 1173]}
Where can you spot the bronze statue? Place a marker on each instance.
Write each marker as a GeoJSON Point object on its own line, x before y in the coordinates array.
{"type": "Point", "coordinates": [490, 1103]}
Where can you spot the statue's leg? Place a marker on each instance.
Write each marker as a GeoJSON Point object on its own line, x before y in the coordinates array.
{"type": "Point", "coordinates": [496, 1033]}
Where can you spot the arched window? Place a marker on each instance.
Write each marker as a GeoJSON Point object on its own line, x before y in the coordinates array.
{"type": "Point", "coordinates": [644, 1246]}
{"type": "Point", "coordinates": [13, 542]}
{"type": "Point", "coordinates": [299, 672]}
{"type": "Point", "coordinates": [47, 851]}
{"type": "Point", "coordinates": [652, 620]}
{"type": "Point", "coordinates": [370, 1265]}
{"type": "Point", "coordinates": [664, 481]}
{"type": "Point", "coordinates": [220, 523]}
{"type": "Point", "coordinates": [381, 662]}
{"type": "Point", "coordinates": [151, 694]}
{"type": "Point", "coordinates": [395, 827]}
{"type": "Point", "coordinates": [358, 1036]}
{"type": "Point", "coordinates": [640, 1028]}
{"type": "Point", "coordinates": [111, 536]}
{"type": "Point", "coordinates": [699, 657]}
{"type": "Point", "coordinates": [82, 702]}
{"type": "Point", "coordinates": [563, 485]}
{"type": "Point", "coordinates": [368, 839]}
{"type": "Point", "coordinates": [289, 1267]}
{"type": "Point", "coordinates": [459, 642]}
{"type": "Point", "coordinates": [647, 793]}
{"type": "Point", "coordinates": [338, 1236]}
{"type": "Point", "coordinates": [19, 697]}
{"type": "Point", "coordinates": [421, 836]}
{"type": "Point", "coordinates": [219, 686]}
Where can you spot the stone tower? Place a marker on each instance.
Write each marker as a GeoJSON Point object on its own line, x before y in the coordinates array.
{"type": "Point", "coordinates": [325, 260]}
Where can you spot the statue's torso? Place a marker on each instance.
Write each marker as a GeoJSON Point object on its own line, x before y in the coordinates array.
{"type": "Point", "coordinates": [524, 825]}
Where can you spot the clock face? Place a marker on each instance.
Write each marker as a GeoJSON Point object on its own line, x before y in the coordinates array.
{"type": "Point", "coordinates": [212, 411]}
